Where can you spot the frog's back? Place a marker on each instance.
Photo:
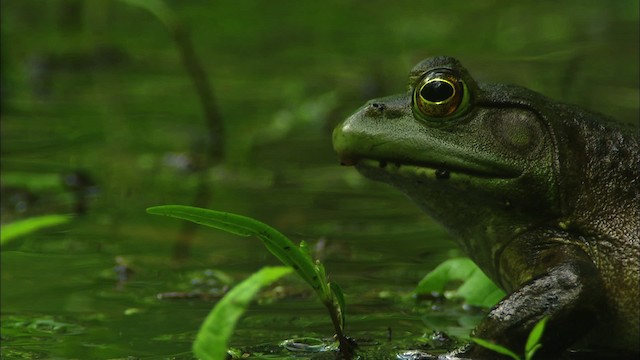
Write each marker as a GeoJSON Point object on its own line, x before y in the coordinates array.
{"type": "Point", "coordinates": [601, 195]}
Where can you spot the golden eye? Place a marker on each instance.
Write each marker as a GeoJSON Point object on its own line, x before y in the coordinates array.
{"type": "Point", "coordinates": [440, 93]}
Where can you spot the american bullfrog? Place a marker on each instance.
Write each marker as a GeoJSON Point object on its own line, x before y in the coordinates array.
{"type": "Point", "coordinates": [543, 196]}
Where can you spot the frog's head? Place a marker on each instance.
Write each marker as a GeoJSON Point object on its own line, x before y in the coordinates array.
{"type": "Point", "coordinates": [478, 158]}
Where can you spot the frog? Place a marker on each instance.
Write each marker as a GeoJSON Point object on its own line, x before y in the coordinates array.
{"type": "Point", "coordinates": [542, 195]}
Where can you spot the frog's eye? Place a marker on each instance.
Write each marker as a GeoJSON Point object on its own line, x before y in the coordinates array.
{"type": "Point", "coordinates": [439, 94]}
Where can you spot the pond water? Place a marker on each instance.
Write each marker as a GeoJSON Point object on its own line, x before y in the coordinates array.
{"type": "Point", "coordinates": [100, 120]}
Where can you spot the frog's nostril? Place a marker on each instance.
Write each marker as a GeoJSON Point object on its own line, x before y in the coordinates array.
{"type": "Point", "coordinates": [375, 110]}
{"type": "Point", "coordinates": [378, 106]}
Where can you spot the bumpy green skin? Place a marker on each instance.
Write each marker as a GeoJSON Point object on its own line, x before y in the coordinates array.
{"type": "Point", "coordinates": [543, 196]}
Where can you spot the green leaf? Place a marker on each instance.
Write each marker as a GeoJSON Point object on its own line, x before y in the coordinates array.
{"type": "Point", "coordinates": [529, 354]}
{"type": "Point", "coordinates": [23, 227]}
{"type": "Point", "coordinates": [452, 269]}
{"type": "Point", "coordinates": [533, 341]}
{"type": "Point", "coordinates": [212, 340]}
{"type": "Point", "coordinates": [304, 249]}
{"type": "Point", "coordinates": [476, 289]}
{"type": "Point", "coordinates": [479, 290]}
{"type": "Point", "coordinates": [299, 258]}
{"type": "Point", "coordinates": [339, 296]}
{"type": "Point", "coordinates": [278, 244]}
{"type": "Point", "coordinates": [536, 333]}
{"type": "Point", "coordinates": [495, 347]}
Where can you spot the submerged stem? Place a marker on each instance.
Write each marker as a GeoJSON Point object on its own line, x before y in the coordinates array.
{"type": "Point", "coordinates": [346, 345]}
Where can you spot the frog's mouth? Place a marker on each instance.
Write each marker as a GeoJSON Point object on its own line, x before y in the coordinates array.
{"type": "Point", "coordinates": [430, 170]}
{"type": "Point", "coordinates": [410, 153]}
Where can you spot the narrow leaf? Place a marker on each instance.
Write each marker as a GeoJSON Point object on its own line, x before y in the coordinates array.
{"type": "Point", "coordinates": [304, 249]}
{"type": "Point", "coordinates": [212, 340]}
{"type": "Point", "coordinates": [278, 244]}
{"type": "Point", "coordinates": [536, 334]}
{"type": "Point", "coordinates": [325, 291]}
{"type": "Point", "coordinates": [23, 227]}
{"type": "Point", "coordinates": [235, 224]}
{"type": "Point", "coordinates": [495, 347]}
{"type": "Point", "coordinates": [531, 352]}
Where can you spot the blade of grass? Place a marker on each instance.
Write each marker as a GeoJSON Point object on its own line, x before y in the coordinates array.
{"type": "Point", "coordinates": [533, 341]}
{"type": "Point", "coordinates": [536, 334]}
{"type": "Point", "coordinates": [23, 227]}
{"type": "Point", "coordinates": [213, 338]}
{"type": "Point", "coordinates": [531, 352]}
{"type": "Point", "coordinates": [278, 244]}
{"type": "Point", "coordinates": [299, 258]}
{"type": "Point", "coordinates": [495, 347]}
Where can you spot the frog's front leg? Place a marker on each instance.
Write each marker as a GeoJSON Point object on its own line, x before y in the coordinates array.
{"type": "Point", "coordinates": [551, 277]}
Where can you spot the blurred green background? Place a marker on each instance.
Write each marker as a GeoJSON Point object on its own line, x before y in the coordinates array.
{"type": "Point", "coordinates": [100, 118]}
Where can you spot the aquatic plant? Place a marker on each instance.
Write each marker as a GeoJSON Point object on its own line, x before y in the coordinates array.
{"type": "Point", "coordinates": [212, 340]}
{"type": "Point", "coordinates": [476, 288]}
{"type": "Point", "coordinates": [531, 347]}
{"type": "Point", "coordinates": [23, 227]}
{"type": "Point", "coordinates": [296, 257]}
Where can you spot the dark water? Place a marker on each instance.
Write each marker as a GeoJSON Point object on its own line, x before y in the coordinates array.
{"type": "Point", "coordinates": [98, 87]}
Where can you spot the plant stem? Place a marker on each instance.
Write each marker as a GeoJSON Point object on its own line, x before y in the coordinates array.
{"type": "Point", "coordinates": [215, 154]}
{"type": "Point", "coordinates": [198, 75]}
{"type": "Point", "coordinates": [346, 346]}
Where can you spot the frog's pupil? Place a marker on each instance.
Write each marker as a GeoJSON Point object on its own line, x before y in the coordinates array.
{"type": "Point", "coordinates": [437, 91]}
